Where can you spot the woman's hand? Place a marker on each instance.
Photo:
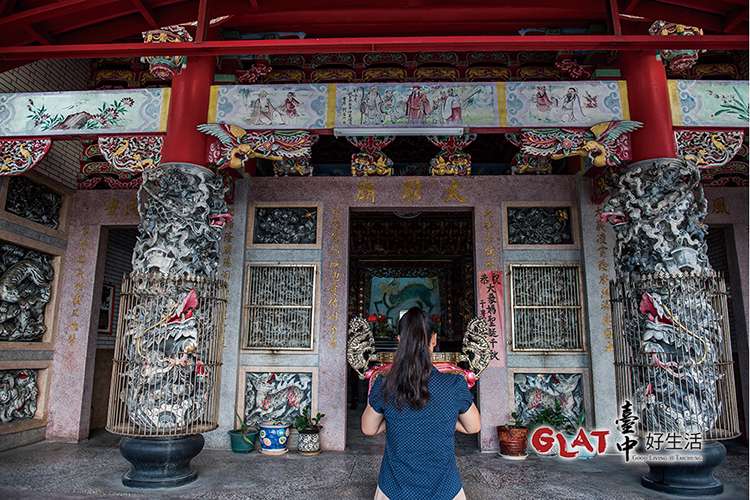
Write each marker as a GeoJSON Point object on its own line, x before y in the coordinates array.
{"type": "Point", "coordinates": [373, 423]}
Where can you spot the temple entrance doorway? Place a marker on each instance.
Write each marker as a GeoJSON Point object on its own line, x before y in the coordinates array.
{"type": "Point", "coordinates": [113, 263]}
{"type": "Point", "coordinates": [399, 259]}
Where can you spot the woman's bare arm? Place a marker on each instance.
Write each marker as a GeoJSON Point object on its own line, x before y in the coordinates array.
{"type": "Point", "coordinates": [372, 422]}
{"type": "Point", "coordinates": [470, 421]}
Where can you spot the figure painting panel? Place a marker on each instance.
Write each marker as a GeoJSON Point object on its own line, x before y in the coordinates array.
{"type": "Point", "coordinates": [416, 105]}
{"type": "Point", "coordinates": [572, 104]}
{"type": "Point", "coordinates": [276, 107]}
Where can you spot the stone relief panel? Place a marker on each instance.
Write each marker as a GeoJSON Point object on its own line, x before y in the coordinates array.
{"type": "Point", "coordinates": [25, 288]}
{"type": "Point", "coordinates": [534, 392]}
{"type": "Point", "coordinates": [279, 307]}
{"type": "Point", "coordinates": [19, 391]}
{"type": "Point", "coordinates": [285, 226]}
{"type": "Point", "coordinates": [277, 395]}
{"type": "Point", "coordinates": [539, 226]}
{"type": "Point", "coordinates": [33, 201]}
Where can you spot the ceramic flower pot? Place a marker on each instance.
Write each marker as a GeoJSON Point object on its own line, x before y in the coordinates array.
{"type": "Point", "coordinates": [273, 437]}
{"type": "Point", "coordinates": [243, 443]}
{"type": "Point", "coordinates": [512, 441]}
{"type": "Point", "coordinates": [309, 442]}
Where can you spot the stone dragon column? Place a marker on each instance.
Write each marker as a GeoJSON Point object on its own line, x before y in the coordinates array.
{"type": "Point", "coordinates": [166, 374]}
{"type": "Point", "coordinates": [670, 337]}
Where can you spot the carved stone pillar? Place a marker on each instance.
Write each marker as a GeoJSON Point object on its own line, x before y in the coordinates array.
{"type": "Point", "coordinates": [166, 373]}
{"type": "Point", "coordinates": [672, 354]}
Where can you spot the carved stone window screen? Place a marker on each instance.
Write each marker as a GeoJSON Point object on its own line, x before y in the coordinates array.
{"type": "Point", "coordinates": [35, 202]}
{"type": "Point", "coordinates": [535, 225]}
{"type": "Point", "coordinates": [547, 310]}
{"type": "Point", "coordinates": [288, 225]}
{"type": "Point", "coordinates": [279, 309]}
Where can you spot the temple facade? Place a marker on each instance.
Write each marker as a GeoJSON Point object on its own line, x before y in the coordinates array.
{"type": "Point", "coordinates": [186, 239]}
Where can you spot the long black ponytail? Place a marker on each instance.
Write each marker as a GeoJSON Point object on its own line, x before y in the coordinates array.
{"type": "Point", "coordinates": [407, 381]}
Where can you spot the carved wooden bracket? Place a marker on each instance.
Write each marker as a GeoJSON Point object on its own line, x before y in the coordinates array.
{"type": "Point", "coordinates": [451, 160]}
{"type": "Point", "coordinates": [372, 160]}
{"type": "Point", "coordinates": [706, 148]}
{"type": "Point", "coordinates": [21, 155]}
{"type": "Point", "coordinates": [131, 153]}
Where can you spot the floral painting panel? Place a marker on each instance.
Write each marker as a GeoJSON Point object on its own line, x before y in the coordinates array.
{"type": "Point", "coordinates": [709, 103]}
{"type": "Point", "coordinates": [83, 113]}
{"type": "Point", "coordinates": [276, 395]}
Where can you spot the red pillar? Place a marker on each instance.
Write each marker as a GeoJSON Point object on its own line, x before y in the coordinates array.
{"type": "Point", "coordinates": [648, 96]}
{"type": "Point", "coordinates": [188, 107]}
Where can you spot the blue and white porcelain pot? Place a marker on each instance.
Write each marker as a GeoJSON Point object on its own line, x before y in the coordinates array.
{"type": "Point", "coordinates": [273, 437]}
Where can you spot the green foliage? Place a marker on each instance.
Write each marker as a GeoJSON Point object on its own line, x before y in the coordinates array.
{"type": "Point", "coordinates": [305, 422]}
{"type": "Point", "coordinates": [552, 417]}
{"type": "Point", "coordinates": [517, 421]}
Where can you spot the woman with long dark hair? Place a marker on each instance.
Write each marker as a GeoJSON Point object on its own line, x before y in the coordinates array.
{"type": "Point", "coordinates": [420, 409]}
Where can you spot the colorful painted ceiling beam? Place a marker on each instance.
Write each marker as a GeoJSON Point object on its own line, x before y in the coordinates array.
{"type": "Point", "coordinates": [478, 106]}
{"type": "Point", "coordinates": [381, 44]}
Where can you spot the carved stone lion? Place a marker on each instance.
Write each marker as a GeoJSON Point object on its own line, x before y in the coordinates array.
{"type": "Point", "coordinates": [360, 345]}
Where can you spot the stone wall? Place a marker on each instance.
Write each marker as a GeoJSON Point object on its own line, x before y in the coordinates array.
{"type": "Point", "coordinates": [72, 379]}
{"type": "Point", "coordinates": [486, 197]}
{"type": "Point", "coordinates": [34, 354]}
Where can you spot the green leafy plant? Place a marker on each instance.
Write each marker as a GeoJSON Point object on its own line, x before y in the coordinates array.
{"type": "Point", "coordinates": [517, 420]}
{"type": "Point", "coordinates": [552, 417]}
{"type": "Point", "coordinates": [306, 423]}
{"type": "Point", "coordinates": [245, 429]}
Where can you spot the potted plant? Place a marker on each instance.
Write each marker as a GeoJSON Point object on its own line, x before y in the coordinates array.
{"type": "Point", "coordinates": [512, 439]}
{"type": "Point", "coordinates": [551, 417]}
{"type": "Point", "coordinates": [243, 439]}
{"type": "Point", "coordinates": [309, 432]}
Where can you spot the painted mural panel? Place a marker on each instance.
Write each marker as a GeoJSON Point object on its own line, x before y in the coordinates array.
{"type": "Point", "coordinates": [276, 395]}
{"type": "Point", "coordinates": [563, 104]}
{"type": "Point", "coordinates": [25, 288]}
{"type": "Point", "coordinates": [18, 395]}
{"type": "Point", "coordinates": [709, 103]}
{"type": "Point", "coordinates": [33, 201]}
{"type": "Point", "coordinates": [271, 106]}
{"type": "Point", "coordinates": [83, 113]}
{"type": "Point", "coordinates": [534, 392]}
{"type": "Point", "coordinates": [417, 105]}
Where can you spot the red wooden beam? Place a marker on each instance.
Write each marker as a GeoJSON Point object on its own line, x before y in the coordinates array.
{"type": "Point", "coordinates": [37, 35]}
{"type": "Point", "coordinates": [630, 6]}
{"type": "Point", "coordinates": [147, 15]}
{"type": "Point", "coordinates": [201, 29]}
{"type": "Point", "coordinates": [735, 20]}
{"type": "Point", "coordinates": [383, 44]}
{"type": "Point", "coordinates": [614, 16]}
{"type": "Point", "coordinates": [39, 13]}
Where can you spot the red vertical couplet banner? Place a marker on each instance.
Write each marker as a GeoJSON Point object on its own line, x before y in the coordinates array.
{"type": "Point", "coordinates": [491, 309]}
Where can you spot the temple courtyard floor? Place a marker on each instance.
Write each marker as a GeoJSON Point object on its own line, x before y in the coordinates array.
{"type": "Point", "coordinates": [92, 469]}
